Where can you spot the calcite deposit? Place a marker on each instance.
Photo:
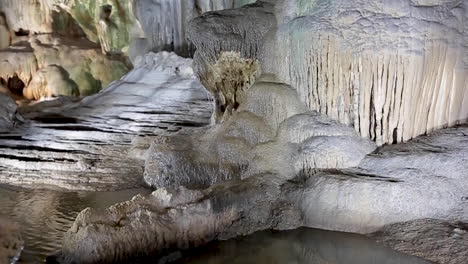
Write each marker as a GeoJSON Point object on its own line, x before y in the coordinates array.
{"type": "Point", "coordinates": [98, 143]}
{"type": "Point", "coordinates": [339, 115]}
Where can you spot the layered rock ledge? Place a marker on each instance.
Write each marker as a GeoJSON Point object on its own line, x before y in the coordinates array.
{"type": "Point", "coordinates": [98, 143]}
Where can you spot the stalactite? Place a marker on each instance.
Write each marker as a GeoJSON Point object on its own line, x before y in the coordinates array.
{"type": "Point", "coordinates": [388, 97]}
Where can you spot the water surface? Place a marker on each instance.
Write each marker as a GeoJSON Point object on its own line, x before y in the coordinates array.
{"type": "Point", "coordinates": [45, 215]}
{"type": "Point", "coordinates": [300, 246]}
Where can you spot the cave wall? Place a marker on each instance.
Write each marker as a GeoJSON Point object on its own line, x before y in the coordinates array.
{"type": "Point", "coordinates": [391, 69]}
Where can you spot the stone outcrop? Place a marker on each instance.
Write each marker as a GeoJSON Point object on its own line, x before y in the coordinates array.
{"type": "Point", "coordinates": [362, 199]}
{"type": "Point", "coordinates": [254, 140]}
{"type": "Point", "coordinates": [226, 56]}
{"type": "Point", "coordinates": [172, 219]}
{"type": "Point", "coordinates": [302, 245]}
{"type": "Point", "coordinates": [164, 22]}
{"type": "Point", "coordinates": [8, 113]}
{"type": "Point", "coordinates": [71, 34]}
{"type": "Point", "coordinates": [49, 66]}
{"type": "Point", "coordinates": [435, 240]}
{"type": "Point", "coordinates": [392, 70]}
{"type": "Point", "coordinates": [98, 143]}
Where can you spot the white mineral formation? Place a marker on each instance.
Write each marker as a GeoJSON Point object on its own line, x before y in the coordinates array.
{"type": "Point", "coordinates": [164, 22]}
{"type": "Point", "coordinates": [392, 69]}
{"type": "Point", "coordinates": [381, 191]}
{"type": "Point", "coordinates": [50, 66]}
{"type": "Point", "coordinates": [255, 140]}
{"type": "Point", "coordinates": [50, 81]}
{"type": "Point", "coordinates": [98, 143]}
{"type": "Point", "coordinates": [119, 25]}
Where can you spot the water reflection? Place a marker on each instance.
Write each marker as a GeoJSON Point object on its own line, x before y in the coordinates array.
{"type": "Point", "coordinates": [300, 246]}
{"type": "Point", "coordinates": [45, 215]}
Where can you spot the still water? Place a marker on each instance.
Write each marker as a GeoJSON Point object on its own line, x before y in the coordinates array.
{"type": "Point", "coordinates": [300, 246]}
{"type": "Point", "coordinates": [45, 215]}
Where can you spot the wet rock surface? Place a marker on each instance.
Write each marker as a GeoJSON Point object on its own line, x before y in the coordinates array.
{"type": "Point", "coordinates": [351, 199]}
{"type": "Point", "coordinates": [99, 142]}
{"type": "Point", "coordinates": [435, 240]}
{"type": "Point", "coordinates": [8, 113]}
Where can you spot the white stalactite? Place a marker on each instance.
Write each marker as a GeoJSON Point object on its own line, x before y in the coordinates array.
{"type": "Point", "coordinates": [392, 73]}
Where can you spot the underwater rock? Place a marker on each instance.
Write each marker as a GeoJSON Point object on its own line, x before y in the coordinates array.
{"type": "Point", "coordinates": [11, 243]}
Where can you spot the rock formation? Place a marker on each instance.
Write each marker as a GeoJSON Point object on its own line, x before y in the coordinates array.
{"type": "Point", "coordinates": [62, 33]}
{"type": "Point", "coordinates": [226, 57]}
{"type": "Point", "coordinates": [393, 71]}
{"type": "Point", "coordinates": [8, 113]}
{"type": "Point", "coordinates": [78, 69]}
{"type": "Point", "coordinates": [312, 103]}
{"type": "Point", "coordinates": [302, 89]}
{"type": "Point", "coordinates": [98, 142]}
{"type": "Point", "coordinates": [363, 199]}
{"type": "Point", "coordinates": [438, 241]}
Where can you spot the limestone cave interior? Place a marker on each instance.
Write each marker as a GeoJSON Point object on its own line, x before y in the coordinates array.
{"type": "Point", "coordinates": [234, 131]}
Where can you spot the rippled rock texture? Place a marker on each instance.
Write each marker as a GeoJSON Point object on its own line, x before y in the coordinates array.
{"type": "Point", "coordinates": [362, 199]}
{"type": "Point", "coordinates": [99, 142]}
{"type": "Point", "coordinates": [11, 243]}
{"type": "Point", "coordinates": [8, 113]}
{"type": "Point", "coordinates": [438, 241]}
{"type": "Point", "coordinates": [300, 110]}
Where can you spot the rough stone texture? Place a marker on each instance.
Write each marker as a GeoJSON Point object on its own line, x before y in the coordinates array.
{"type": "Point", "coordinates": [77, 67]}
{"type": "Point", "coordinates": [8, 114]}
{"type": "Point", "coordinates": [362, 199]}
{"type": "Point", "coordinates": [225, 60]}
{"type": "Point", "coordinates": [164, 22]}
{"type": "Point", "coordinates": [438, 241]}
{"type": "Point", "coordinates": [99, 142]}
{"type": "Point", "coordinates": [178, 219]}
{"type": "Point", "coordinates": [424, 178]}
{"type": "Point", "coordinates": [248, 143]}
{"type": "Point", "coordinates": [50, 81]}
{"type": "Point", "coordinates": [392, 69]}
{"type": "Point", "coordinates": [120, 26]}
{"type": "Point", "coordinates": [11, 243]}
